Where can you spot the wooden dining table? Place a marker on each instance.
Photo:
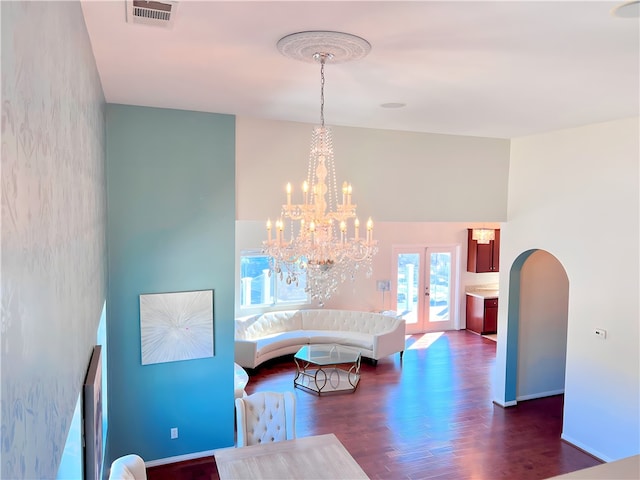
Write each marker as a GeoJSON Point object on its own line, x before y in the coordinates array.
{"type": "Point", "coordinates": [315, 457]}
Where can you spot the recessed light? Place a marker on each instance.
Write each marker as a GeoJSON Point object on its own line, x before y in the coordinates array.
{"type": "Point", "coordinates": [627, 10]}
{"type": "Point", "coordinates": [393, 105]}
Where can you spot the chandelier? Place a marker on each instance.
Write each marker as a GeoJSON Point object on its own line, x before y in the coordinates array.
{"type": "Point", "coordinates": [320, 237]}
{"type": "Point", "coordinates": [483, 235]}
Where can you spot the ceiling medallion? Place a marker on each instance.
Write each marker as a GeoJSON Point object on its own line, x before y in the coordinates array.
{"type": "Point", "coordinates": [343, 47]}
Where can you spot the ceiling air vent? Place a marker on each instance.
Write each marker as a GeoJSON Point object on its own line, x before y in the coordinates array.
{"type": "Point", "coordinates": [160, 14]}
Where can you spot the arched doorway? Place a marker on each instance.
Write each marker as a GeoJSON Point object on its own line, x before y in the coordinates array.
{"type": "Point", "coordinates": [536, 343]}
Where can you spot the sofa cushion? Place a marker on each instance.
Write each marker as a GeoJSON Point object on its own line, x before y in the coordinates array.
{"type": "Point", "coordinates": [243, 325]}
{"type": "Point", "coordinates": [350, 339]}
{"type": "Point", "coordinates": [325, 336]}
{"type": "Point", "coordinates": [357, 339]}
{"type": "Point", "coordinates": [346, 320]}
{"type": "Point", "coordinates": [261, 326]}
{"type": "Point", "coordinates": [279, 340]}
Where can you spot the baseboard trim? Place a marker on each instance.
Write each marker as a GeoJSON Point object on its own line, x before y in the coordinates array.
{"type": "Point", "coordinates": [532, 396]}
{"type": "Point", "coordinates": [580, 446]}
{"type": "Point", "coordinates": [179, 458]}
{"type": "Point", "coordinates": [510, 403]}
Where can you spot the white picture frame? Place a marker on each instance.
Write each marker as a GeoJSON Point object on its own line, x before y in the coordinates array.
{"type": "Point", "coordinates": [176, 326]}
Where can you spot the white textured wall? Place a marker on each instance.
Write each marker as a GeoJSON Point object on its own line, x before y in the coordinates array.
{"type": "Point", "coordinates": [575, 194]}
{"type": "Point", "coordinates": [542, 342]}
{"type": "Point", "coordinates": [53, 228]}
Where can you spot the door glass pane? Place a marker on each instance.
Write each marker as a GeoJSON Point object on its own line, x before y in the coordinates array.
{"type": "Point", "coordinates": [407, 286]}
{"type": "Point", "coordinates": [440, 282]}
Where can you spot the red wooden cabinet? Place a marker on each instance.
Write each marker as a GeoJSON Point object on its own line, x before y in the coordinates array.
{"type": "Point", "coordinates": [482, 258]}
{"type": "Point", "coordinates": [482, 314]}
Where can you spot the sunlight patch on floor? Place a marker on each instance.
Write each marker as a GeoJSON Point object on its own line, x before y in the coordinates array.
{"type": "Point", "coordinates": [425, 341]}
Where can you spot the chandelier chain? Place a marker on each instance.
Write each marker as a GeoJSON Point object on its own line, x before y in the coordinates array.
{"type": "Point", "coordinates": [322, 62]}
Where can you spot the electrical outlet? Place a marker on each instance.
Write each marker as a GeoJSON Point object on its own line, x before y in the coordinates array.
{"type": "Point", "coordinates": [600, 332]}
{"type": "Point", "coordinates": [174, 433]}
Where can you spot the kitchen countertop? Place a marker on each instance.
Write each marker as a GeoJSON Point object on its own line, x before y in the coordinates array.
{"type": "Point", "coordinates": [486, 293]}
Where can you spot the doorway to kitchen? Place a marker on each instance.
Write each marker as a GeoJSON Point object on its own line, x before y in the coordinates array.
{"type": "Point", "coordinates": [424, 287]}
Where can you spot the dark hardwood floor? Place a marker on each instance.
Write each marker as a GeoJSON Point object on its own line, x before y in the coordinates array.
{"type": "Point", "coordinates": [430, 417]}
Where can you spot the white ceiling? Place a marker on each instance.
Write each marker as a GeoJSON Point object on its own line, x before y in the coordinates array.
{"type": "Point", "coordinates": [494, 69]}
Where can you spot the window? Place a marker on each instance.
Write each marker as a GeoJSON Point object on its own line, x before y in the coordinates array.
{"type": "Point", "coordinates": [260, 287]}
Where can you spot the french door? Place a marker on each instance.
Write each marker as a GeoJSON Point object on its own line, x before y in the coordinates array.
{"type": "Point", "coordinates": [424, 287]}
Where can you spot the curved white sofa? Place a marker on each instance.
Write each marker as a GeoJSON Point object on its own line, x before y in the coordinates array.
{"type": "Point", "coordinates": [259, 338]}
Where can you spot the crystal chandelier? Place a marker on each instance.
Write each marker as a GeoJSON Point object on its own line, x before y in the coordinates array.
{"type": "Point", "coordinates": [320, 236]}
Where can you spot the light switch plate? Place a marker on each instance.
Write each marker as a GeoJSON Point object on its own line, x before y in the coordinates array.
{"type": "Point", "coordinates": [601, 332]}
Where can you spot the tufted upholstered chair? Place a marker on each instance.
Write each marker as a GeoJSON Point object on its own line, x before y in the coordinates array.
{"type": "Point", "coordinates": [265, 417]}
{"type": "Point", "coordinates": [129, 467]}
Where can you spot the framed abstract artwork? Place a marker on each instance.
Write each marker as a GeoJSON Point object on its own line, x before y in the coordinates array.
{"type": "Point", "coordinates": [93, 417]}
{"type": "Point", "coordinates": [176, 326]}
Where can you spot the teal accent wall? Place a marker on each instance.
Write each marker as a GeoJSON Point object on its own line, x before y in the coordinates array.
{"type": "Point", "coordinates": [513, 327]}
{"type": "Point", "coordinates": [170, 228]}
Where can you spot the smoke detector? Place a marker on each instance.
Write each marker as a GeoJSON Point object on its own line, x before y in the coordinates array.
{"type": "Point", "coordinates": [159, 14]}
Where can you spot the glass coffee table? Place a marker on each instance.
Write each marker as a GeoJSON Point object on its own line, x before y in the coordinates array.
{"type": "Point", "coordinates": [327, 368]}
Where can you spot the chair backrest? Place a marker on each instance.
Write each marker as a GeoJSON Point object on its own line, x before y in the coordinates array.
{"type": "Point", "coordinates": [265, 417]}
{"type": "Point", "coordinates": [129, 467]}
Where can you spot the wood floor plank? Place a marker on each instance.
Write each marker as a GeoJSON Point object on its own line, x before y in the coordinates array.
{"type": "Point", "coordinates": [429, 416]}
